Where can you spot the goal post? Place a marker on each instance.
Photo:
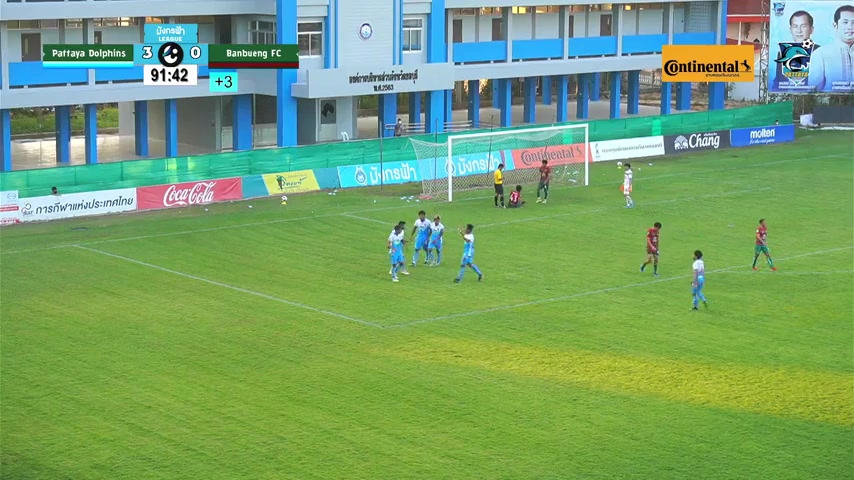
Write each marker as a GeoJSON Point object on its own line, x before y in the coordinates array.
{"type": "Point", "coordinates": [466, 161]}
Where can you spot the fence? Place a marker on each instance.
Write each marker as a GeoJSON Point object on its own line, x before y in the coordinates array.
{"type": "Point", "coordinates": [139, 173]}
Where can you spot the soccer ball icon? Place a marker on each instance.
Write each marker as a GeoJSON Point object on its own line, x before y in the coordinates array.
{"type": "Point", "coordinates": [807, 44]}
{"type": "Point", "coordinates": [619, 164]}
{"type": "Point", "coordinates": [284, 199]}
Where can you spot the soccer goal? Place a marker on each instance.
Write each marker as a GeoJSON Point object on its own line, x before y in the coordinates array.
{"type": "Point", "coordinates": [467, 161]}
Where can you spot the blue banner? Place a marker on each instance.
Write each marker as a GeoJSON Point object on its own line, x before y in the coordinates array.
{"type": "Point", "coordinates": [254, 187]}
{"type": "Point", "coordinates": [376, 174]}
{"type": "Point", "coordinates": [748, 137]}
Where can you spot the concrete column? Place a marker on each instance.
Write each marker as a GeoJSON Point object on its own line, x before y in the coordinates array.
{"type": "Point", "coordinates": [530, 100]}
{"type": "Point", "coordinates": [5, 141]}
{"type": "Point", "coordinates": [449, 106]}
{"type": "Point", "coordinates": [242, 132]}
{"type": "Point", "coordinates": [387, 114]}
{"type": "Point", "coordinates": [633, 101]}
{"type": "Point", "coordinates": [615, 82]}
{"type": "Point", "coordinates": [562, 87]}
{"type": "Point", "coordinates": [63, 134]}
{"type": "Point", "coordinates": [90, 130]}
{"type": "Point", "coordinates": [582, 109]}
{"type": "Point", "coordinates": [505, 102]}
{"type": "Point", "coordinates": [140, 128]}
{"type": "Point", "coordinates": [547, 90]}
{"type": "Point", "coordinates": [415, 107]}
{"type": "Point", "coordinates": [170, 117]}
{"type": "Point", "coordinates": [474, 103]}
{"type": "Point", "coordinates": [595, 87]}
{"type": "Point", "coordinates": [683, 96]}
{"type": "Point", "coordinates": [717, 95]}
{"type": "Point", "coordinates": [286, 104]}
{"type": "Point", "coordinates": [434, 111]}
{"type": "Point", "coordinates": [666, 96]}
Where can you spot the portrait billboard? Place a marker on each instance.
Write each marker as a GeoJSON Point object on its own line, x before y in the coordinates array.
{"type": "Point", "coordinates": [811, 47]}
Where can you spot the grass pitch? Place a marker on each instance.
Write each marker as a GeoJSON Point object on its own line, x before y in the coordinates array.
{"type": "Point", "coordinates": [270, 343]}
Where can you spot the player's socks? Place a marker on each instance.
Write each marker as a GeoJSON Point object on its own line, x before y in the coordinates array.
{"type": "Point", "coordinates": [462, 272]}
{"type": "Point", "coordinates": [477, 271]}
{"type": "Point", "coordinates": [771, 263]}
{"type": "Point", "coordinates": [496, 200]}
{"type": "Point", "coordinates": [438, 257]}
{"type": "Point", "coordinates": [643, 267]}
{"type": "Point", "coordinates": [755, 259]}
{"type": "Point", "coordinates": [655, 269]}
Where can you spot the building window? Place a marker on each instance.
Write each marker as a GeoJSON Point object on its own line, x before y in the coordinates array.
{"type": "Point", "coordinates": [262, 33]}
{"type": "Point", "coordinates": [413, 30]}
{"type": "Point", "coordinates": [23, 24]}
{"type": "Point", "coordinates": [519, 10]}
{"type": "Point", "coordinates": [490, 11]}
{"type": "Point", "coordinates": [310, 39]}
{"type": "Point", "coordinates": [549, 9]}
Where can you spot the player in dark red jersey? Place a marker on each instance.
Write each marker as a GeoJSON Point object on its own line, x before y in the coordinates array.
{"type": "Point", "coordinates": [543, 186]}
{"type": "Point", "coordinates": [652, 248]}
{"type": "Point", "coordinates": [762, 245]}
{"type": "Point", "coordinates": [516, 198]}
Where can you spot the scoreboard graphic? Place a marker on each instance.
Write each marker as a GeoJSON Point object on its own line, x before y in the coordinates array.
{"type": "Point", "coordinates": [171, 55]}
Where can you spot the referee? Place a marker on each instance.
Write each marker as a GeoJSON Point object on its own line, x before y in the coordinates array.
{"type": "Point", "coordinates": [499, 186]}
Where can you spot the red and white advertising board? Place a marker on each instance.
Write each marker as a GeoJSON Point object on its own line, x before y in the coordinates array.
{"type": "Point", "coordinates": [179, 195]}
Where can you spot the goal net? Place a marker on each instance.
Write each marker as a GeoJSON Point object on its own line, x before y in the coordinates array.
{"type": "Point", "coordinates": [467, 161]}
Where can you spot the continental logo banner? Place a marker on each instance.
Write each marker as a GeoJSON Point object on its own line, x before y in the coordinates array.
{"type": "Point", "coordinates": [707, 63]}
{"type": "Point", "coordinates": [300, 181]}
{"type": "Point", "coordinates": [555, 154]}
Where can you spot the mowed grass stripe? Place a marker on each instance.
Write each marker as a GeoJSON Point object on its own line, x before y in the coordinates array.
{"type": "Point", "coordinates": [808, 395]}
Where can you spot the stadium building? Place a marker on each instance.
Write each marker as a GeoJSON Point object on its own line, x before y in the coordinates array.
{"type": "Point", "coordinates": [419, 54]}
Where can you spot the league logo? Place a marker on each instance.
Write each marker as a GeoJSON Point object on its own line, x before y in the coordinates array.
{"type": "Point", "coordinates": [170, 54]}
{"type": "Point", "coordinates": [779, 8]}
{"type": "Point", "coordinates": [795, 60]}
{"type": "Point", "coordinates": [361, 177]}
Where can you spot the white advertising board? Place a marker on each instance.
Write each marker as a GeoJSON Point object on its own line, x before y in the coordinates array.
{"type": "Point", "coordinates": [9, 210]}
{"type": "Point", "coordinates": [627, 149]}
{"type": "Point", "coordinates": [56, 207]}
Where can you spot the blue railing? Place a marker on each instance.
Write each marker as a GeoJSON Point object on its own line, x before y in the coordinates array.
{"type": "Point", "coordinates": [698, 38]}
{"type": "Point", "coordinates": [480, 52]}
{"type": "Point", "coordinates": [635, 44]}
{"type": "Point", "coordinates": [538, 49]}
{"type": "Point", "coordinates": [592, 46]}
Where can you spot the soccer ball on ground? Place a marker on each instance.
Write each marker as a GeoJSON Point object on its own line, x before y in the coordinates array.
{"type": "Point", "coordinates": [619, 164]}
{"type": "Point", "coordinates": [284, 199]}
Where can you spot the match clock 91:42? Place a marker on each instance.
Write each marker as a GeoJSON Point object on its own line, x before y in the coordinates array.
{"type": "Point", "coordinates": [180, 75]}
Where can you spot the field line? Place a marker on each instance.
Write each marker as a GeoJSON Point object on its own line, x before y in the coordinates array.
{"type": "Point", "coordinates": [365, 219]}
{"type": "Point", "coordinates": [231, 287]}
{"type": "Point", "coordinates": [605, 209]}
{"type": "Point", "coordinates": [832, 272]}
{"type": "Point", "coordinates": [595, 292]}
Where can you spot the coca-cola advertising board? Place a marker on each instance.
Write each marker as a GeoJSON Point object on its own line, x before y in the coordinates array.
{"type": "Point", "coordinates": [188, 194]}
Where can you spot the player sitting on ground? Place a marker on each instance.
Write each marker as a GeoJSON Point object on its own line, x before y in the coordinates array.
{"type": "Point", "coordinates": [652, 248]}
{"type": "Point", "coordinates": [421, 233]}
{"type": "Point", "coordinates": [516, 198]}
{"type": "Point", "coordinates": [762, 245]}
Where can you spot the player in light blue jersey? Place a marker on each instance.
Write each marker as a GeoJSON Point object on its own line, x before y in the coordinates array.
{"type": "Point", "coordinates": [437, 240]}
{"type": "Point", "coordinates": [421, 234]}
{"type": "Point", "coordinates": [699, 280]}
{"type": "Point", "coordinates": [468, 254]}
{"type": "Point", "coordinates": [395, 251]}
{"type": "Point", "coordinates": [402, 225]}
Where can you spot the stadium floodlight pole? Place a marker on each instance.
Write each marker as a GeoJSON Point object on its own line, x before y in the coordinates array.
{"type": "Point", "coordinates": [586, 155]}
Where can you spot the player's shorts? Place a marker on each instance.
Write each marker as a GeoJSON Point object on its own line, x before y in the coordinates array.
{"type": "Point", "coordinates": [651, 256]}
{"type": "Point", "coordinates": [760, 249]}
{"type": "Point", "coordinates": [466, 261]}
{"type": "Point", "coordinates": [625, 190]}
{"type": "Point", "coordinates": [421, 242]}
{"type": "Point", "coordinates": [499, 189]}
{"type": "Point", "coordinates": [542, 185]}
{"type": "Point", "coordinates": [699, 287]}
{"type": "Point", "coordinates": [514, 205]}
{"type": "Point", "coordinates": [397, 257]}
{"type": "Point", "coordinates": [437, 244]}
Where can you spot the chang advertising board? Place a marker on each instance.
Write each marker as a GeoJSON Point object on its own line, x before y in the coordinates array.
{"type": "Point", "coordinates": [56, 207]}
{"type": "Point", "coordinates": [812, 46]}
{"type": "Point", "coordinates": [748, 137]}
{"type": "Point", "coordinates": [694, 142]}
